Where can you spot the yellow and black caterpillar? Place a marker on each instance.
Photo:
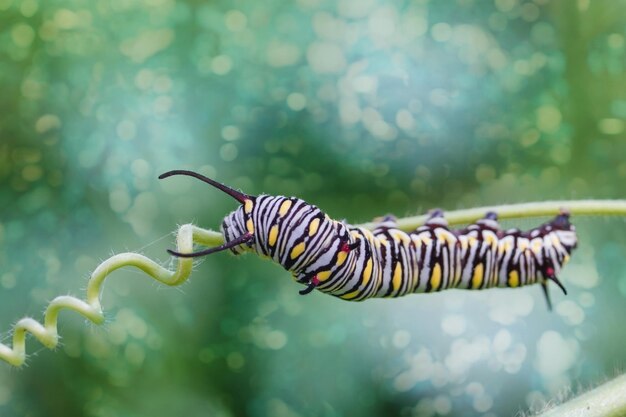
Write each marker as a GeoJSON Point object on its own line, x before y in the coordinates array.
{"type": "Point", "coordinates": [354, 263]}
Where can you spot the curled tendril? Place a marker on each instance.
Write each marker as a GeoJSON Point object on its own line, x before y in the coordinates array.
{"type": "Point", "coordinates": [189, 234]}
{"type": "Point", "coordinates": [47, 333]}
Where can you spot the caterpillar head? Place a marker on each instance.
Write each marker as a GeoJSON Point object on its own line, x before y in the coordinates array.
{"type": "Point", "coordinates": [237, 227]}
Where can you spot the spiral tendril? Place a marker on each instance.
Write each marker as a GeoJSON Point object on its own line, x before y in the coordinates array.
{"type": "Point", "coordinates": [189, 234]}
{"type": "Point", "coordinates": [90, 308]}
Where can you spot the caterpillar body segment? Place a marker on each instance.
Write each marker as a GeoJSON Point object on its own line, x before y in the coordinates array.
{"type": "Point", "coordinates": [355, 264]}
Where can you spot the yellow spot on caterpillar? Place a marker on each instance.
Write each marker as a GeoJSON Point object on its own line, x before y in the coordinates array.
{"type": "Point", "coordinates": [313, 226]}
{"type": "Point", "coordinates": [250, 226]}
{"type": "Point", "coordinates": [536, 245]}
{"type": "Point", "coordinates": [463, 244]}
{"type": "Point", "coordinates": [367, 272]}
{"type": "Point", "coordinates": [341, 257]}
{"type": "Point", "coordinates": [400, 236]}
{"type": "Point", "coordinates": [491, 239]}
{"type": "Point", "coordinates": [297, 250]}
{"type": "Point", "coordinates": [435, 277]}
{"type": "Point", "coordinates": [247, 206]}
{"type": "Point", "coordinates": [556, 242]}
{"type": "Point", "coordinates": [273, 235]}
{"type": "Point", "coordinates": [565, 259]}
{"type": "Point", "coordinates": [477, 278]}
{"type": "Point", "coordinates": [522, 244]}
{"type": "Point", "coordinates": [350, 295]}
{"type": "Point", "coordinates": [513, 279]}
{"type": "Point", "coordinates": [397, 277]}
{"type": "Point", "coordinates": [445, 237]}
{"type": "Point", "coordinates": [284, 208]}
{"type": "Point", "coordinates": [505, 246]}
{"type": "Point", "coordinates": [323, 276]}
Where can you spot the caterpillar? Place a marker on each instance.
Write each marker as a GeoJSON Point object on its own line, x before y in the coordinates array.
{"type": "Point", "coordinates": [355, 264]}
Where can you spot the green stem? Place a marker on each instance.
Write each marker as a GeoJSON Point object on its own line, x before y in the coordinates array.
{"type": "Point", "coordinates": [90, 308]}
{"type": "Point", "coordinates": [523, 210]}
{"type": "Point", "coordinates": [505, 211]}
{"type": "Point", "coordinates": [607, 400]}
{"type": "Point", "coordinates": [188, 234]}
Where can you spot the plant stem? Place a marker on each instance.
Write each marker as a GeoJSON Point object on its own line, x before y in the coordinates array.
{"type": "Point", "coordinates": [523, 210]}
{"type": "Point", "coordinates": [607, 400]}
{"type": "Point", "coordinates": [189, 234]}
{"type": "Point", "coordinates": [505, 211]}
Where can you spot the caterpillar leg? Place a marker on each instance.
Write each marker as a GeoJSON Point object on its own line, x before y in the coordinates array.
{"type": "Point", "coordinates": [383, 223]}
{"type": "Point", "coordinates": [550, 275]}
{"type": "Point", "coordinates": [490, 221]}
{"type": "Point", "coordinates": [435, 220]}
{"type": "Point", "coordinates": [544, 287]}
{"type": "Point", "coordinates": [314, 282]}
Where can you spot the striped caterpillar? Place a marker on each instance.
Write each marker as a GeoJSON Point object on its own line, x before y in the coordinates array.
{"type": "Point", "coordinates": [354, 263]}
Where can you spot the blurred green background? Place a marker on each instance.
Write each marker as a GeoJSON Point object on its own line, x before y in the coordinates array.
{"type": "Point", "coordinates": [363, 107]}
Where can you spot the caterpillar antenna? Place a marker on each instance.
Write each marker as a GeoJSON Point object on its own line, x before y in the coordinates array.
{"type": "Point", "coordinates": [237, 195]}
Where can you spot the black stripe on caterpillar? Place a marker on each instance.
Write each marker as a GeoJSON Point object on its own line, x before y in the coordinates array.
{"type": "Point", "coordinates": [355, 264]}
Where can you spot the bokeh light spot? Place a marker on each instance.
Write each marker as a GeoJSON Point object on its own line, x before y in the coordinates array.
{"type": "Point", "coordinates": [276, 339]}
{"type": "Point", "coordinates": [401, 339]}
{"type": "Point", "coordinates": [229, 152]}
{"type": "Point", "coordinates": [32, 173]}
{"type": "Point", "coordinates": [146, 44]}
{"type": "Point", "coordinates": [221, 64]}
{"type": "Point", "coordinates": [441, 32]}
{"type": "Point", "coordinates": [555, 354]}
{"type": "Point", "coordinates": [326, 57]}
{"type": "Point", "coordinates": [8, 280]}
{"type": "Point", "coordinates": [134, 353]}
{"type": "Point", "coordinates": [442, 405]}
{"type": "Point", "coordinates": [282, 53]}
{"type": "Point", "coordinates": [616, 40]}
{"type": "Point", "coordinates": [571, 312]}
{"type": "Point", "coordinates": [454, 324]}
{"type": "Point", "coordinates": [230, 133]}
{"type": "Point", "coordinates": [126, 130]}
{"type": "Point", "coordinates": [119, 199]}
{"type": "Point", "coordinates": [611, 126]}
{"type": "Point", "coordinates": [235, 361]}
{"type": "Point", "coordinates": [382, 22]}
{"type": "Point", "coordinates": [355, 9]}
{"type": "Point", "coordinates": [22, 35]}
{"type": "Point", "coordinates": [28, 8]}
{"type": "Point", "coordinates": [65, 19]}
{"type": "Point", "coordinates": [235, 20]}
{"type": "Point", "coordinates": [548, 119]}
{"type": "Point", "coordinates": [46, 123]}
{"type": "Point", "coordinates": [296, 101]}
